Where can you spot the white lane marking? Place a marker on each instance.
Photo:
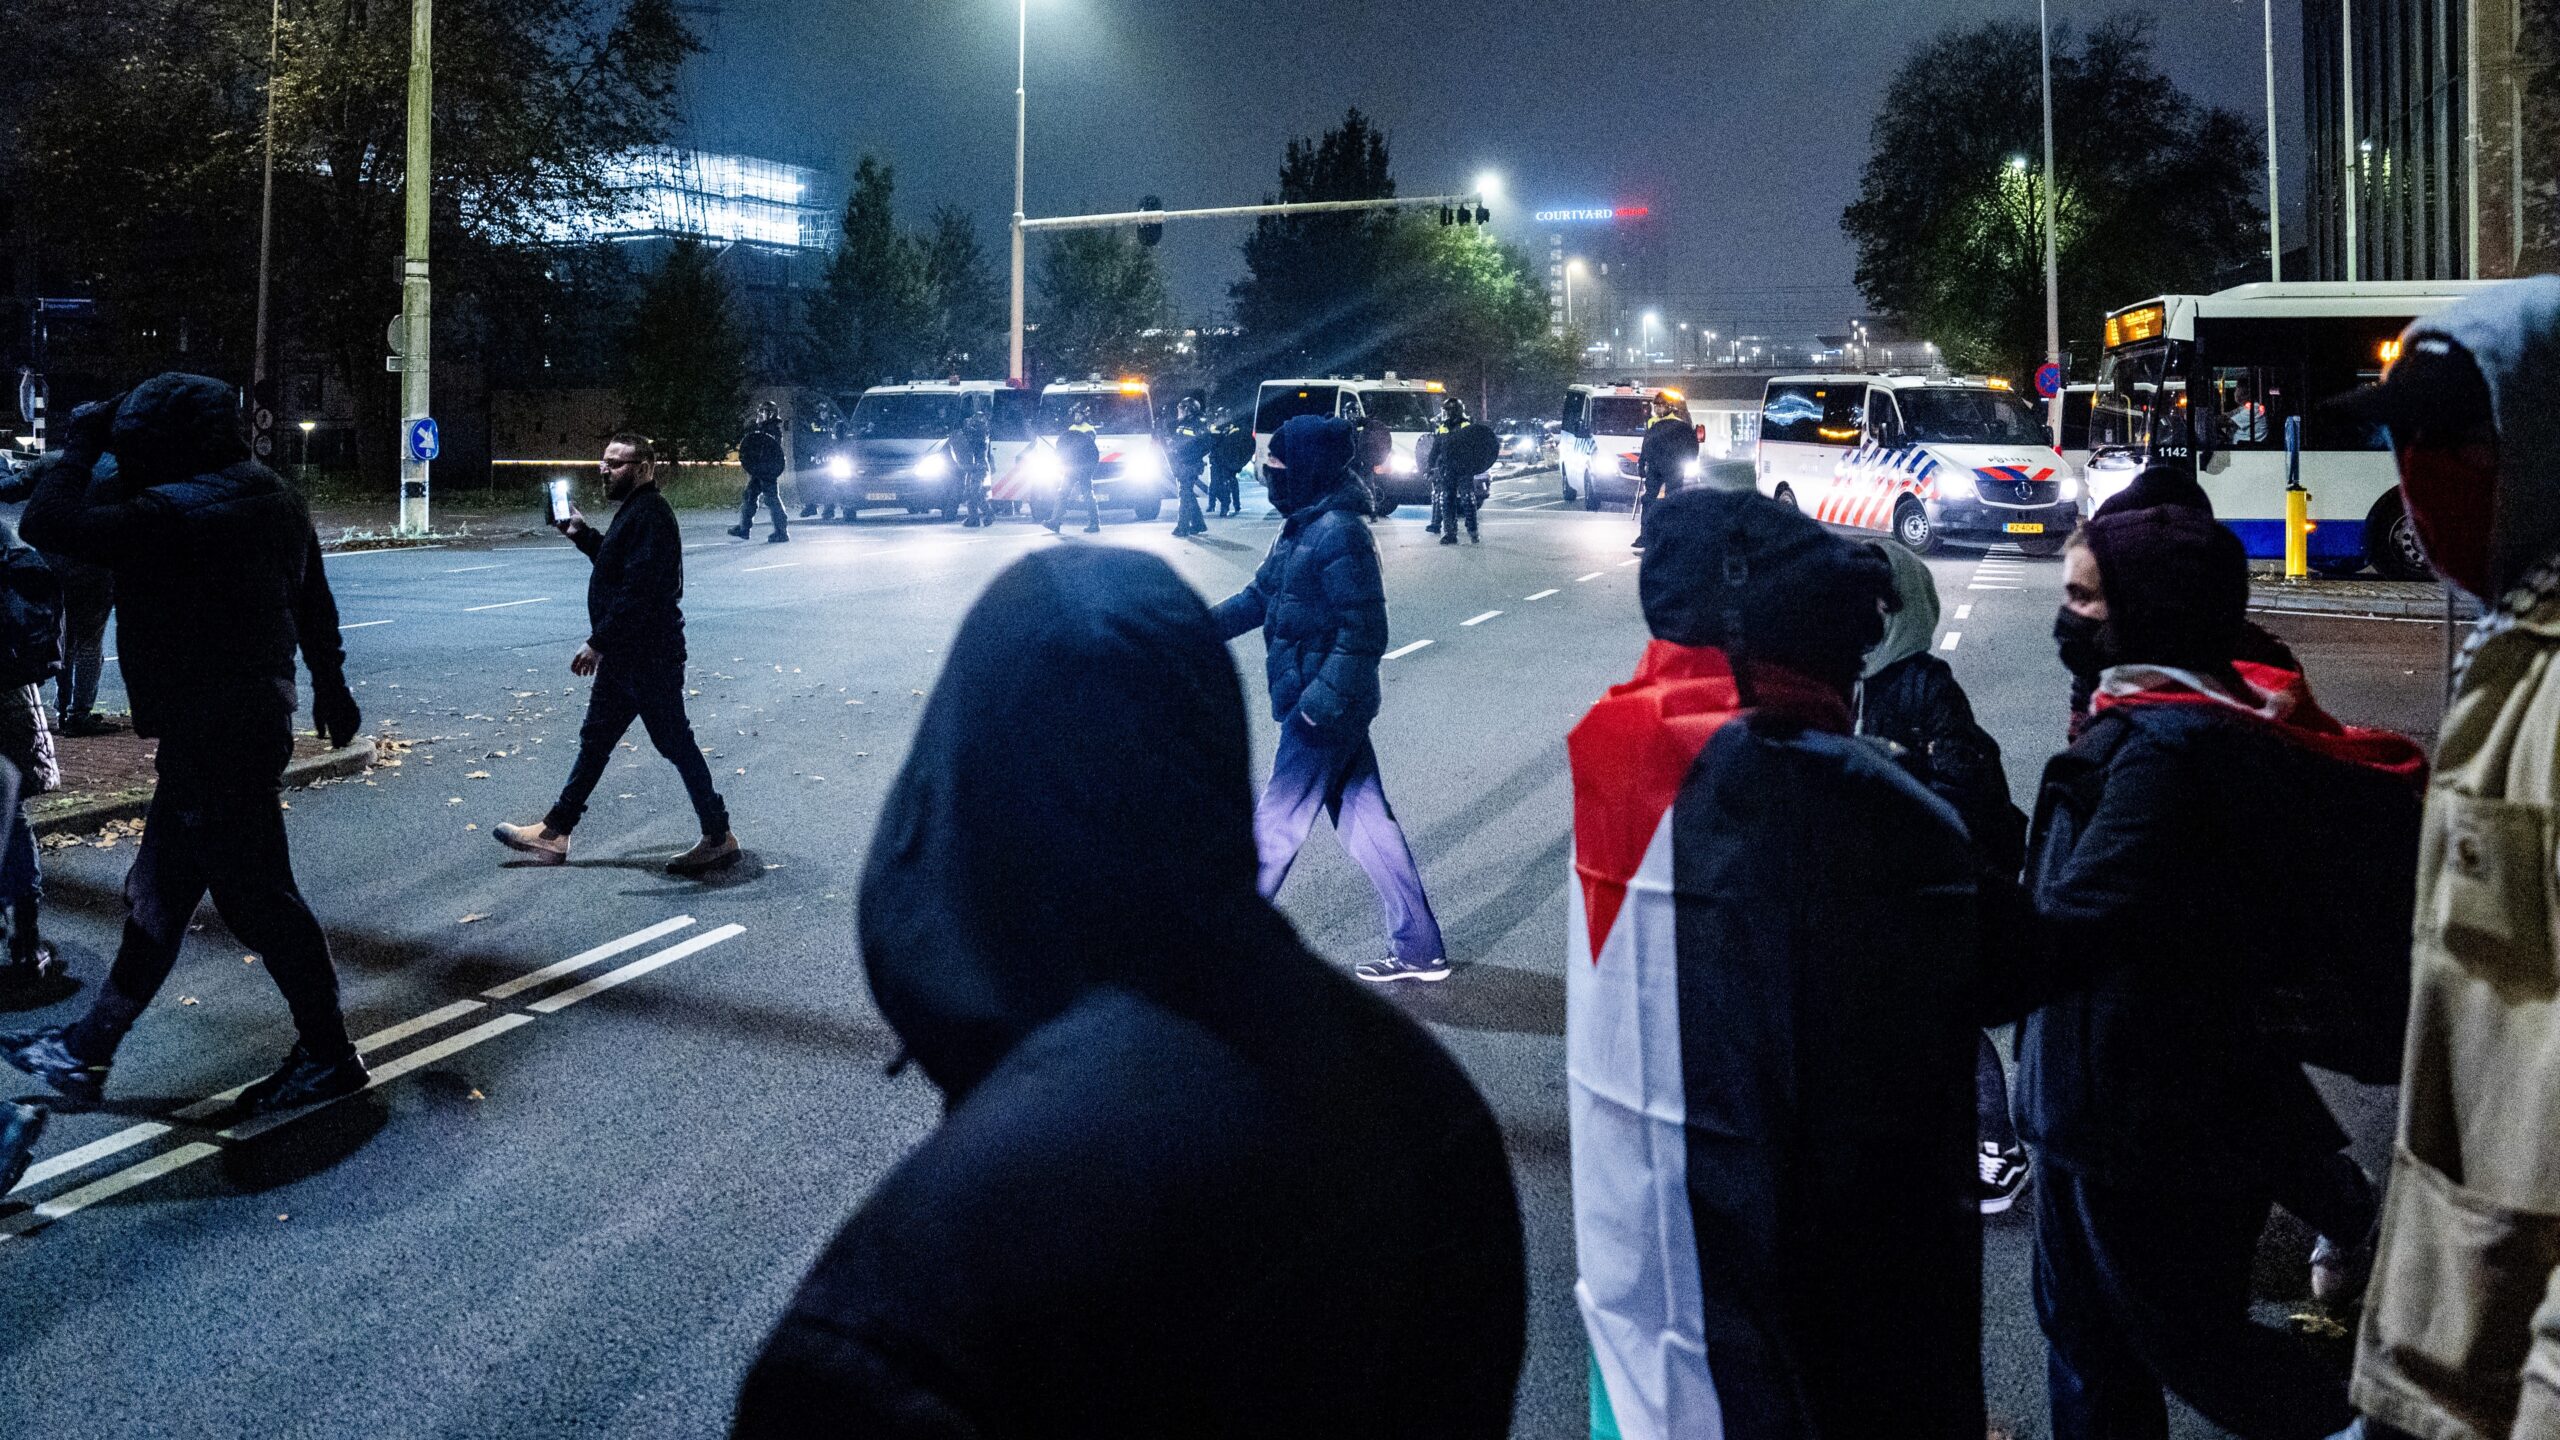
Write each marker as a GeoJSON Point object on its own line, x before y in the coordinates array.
{"type": "Point", "coordinates": [1546, 505]}
{"type": "Point", "coordinates": [475, 569]}
{"type": "Point", "coordinates": [585, 958]}
{"type": "Point", "coordinates": [1403, 650]}
{"type": "Point", "coordinates": [364, 624]}
{"type": "Point", "coordinates": [2345, 615]}
{"type": "Point", "coordinates": [553, 1004]}
{"type": "Point", "coordinates": [785, 565]}
{"type": "Point", "coordinates": [1623, 564]}
{"type": "Point", "coordinates": [90, 1154]}
{"type": "Point", "coordinates": [387, 1072]}
{"type": "Point", "coordinates": [107, 1188]}
{"type": "Point", "coordinates": [504, 604]}
{"type": "Point", "coordinates": [1949, 643]}
{"type": "Point", "coordinates": [393, 1034]}
{"type": "Point", "coordinates": [1489, 614]}
{"type": "Point", "coordinates": [1991, 587]}
{"type": "Point", "coordinates": [1579, 579]}
{"type": "Point", "coordinates": [1964, 612]}
{"type": "Point", "coordinates": [385, 550]}
{"type": "Point", "coordinates": [1541, 595]}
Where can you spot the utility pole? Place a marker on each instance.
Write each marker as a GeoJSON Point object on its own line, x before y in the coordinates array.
{"type": "Point", "coordinates": [1021, 102]}
{"type": "Point", "coordinates": [266, 212]}
{"type": "Point", "coordinates": [420, 185]}
{"type": "Point", "coordinates": [2052, 291]}
{"type": "Point", "coordinates": [2275, 197]}
{"type": "Point", "coordinates": [2347, 120]}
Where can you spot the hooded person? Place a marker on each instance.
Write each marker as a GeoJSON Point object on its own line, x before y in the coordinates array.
{"type": "Point", "coordinates": [2461, 1333]}
{"type": "Point", "coordinates": [1321, 605]}
{"type": "Point", "coordinates": [1769, 1013]}
{"type": "Point", "coordinates": [1151, 1208]}
{"type": "Point", "coordinates": [219, 583]}
{"type": "Point", "coordinates": [1908, 698]}
{"type": "Point", "coordinates": [2187, 968]}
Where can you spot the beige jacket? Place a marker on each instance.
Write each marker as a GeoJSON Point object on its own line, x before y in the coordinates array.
{"type": "Point", "coordinates": [2461, 1337]}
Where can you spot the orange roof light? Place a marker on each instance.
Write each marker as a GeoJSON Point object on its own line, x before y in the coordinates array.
{"type": "Point", "coordinates": [1827, 433]}
{"type": "Point", "coordinates": [1434, 386]}
{"type": "Point", "coordinates": [1675, 397]}
{"type": "Point", "coordinates": [1133, 387]}
{"type": "Point", "coordinates": [1997, 383]}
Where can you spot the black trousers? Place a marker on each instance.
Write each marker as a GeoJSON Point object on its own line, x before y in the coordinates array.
{"type": "Point", "coordinates": [651, 692]}
{"type": "Point", "coordinates": [87, 601]}
{"type": "Point", "coordinates": [215, 826]}
{"type": "Point", "coordinates": [1067, 490]}
{"type": "Point", "coordinates": [2145, 1290]}
{"type": "Point", "coordinates": [1452, 500]}
{"type": "Point", "coordinates": [1225, 492]}
{"type": "Point", "coordinates": [1186, 519]}
{"type": "Point", "coordinates": [770, 491]}
{"type": "Point", "coordinates": [973, 499]}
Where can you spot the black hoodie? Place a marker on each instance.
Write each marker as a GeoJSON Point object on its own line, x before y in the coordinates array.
{"type": "Point", "coordinates": [1168, 1196]}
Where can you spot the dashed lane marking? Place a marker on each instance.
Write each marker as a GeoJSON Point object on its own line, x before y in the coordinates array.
{"type": "Point", "coordinates": [1949, 643]}
{"type": "Point", "coordinates": [364, 624]}
{"type": "Point", "coordinates": [553, 1004]}
{"type": "Point", "coordinates": [1541, 595]}
{"type": "Point", "coordinates": [1489, 614]}
{"type": "Point", "coordinates": [335, 555]}
{"type": "Point", "coordinates": [1403, 650]}
{"type": "Point", "coordinates": [474, 569]}
{"type": "Point", "coordinates": [1623, 564]}
{"type": "Point", "coordinates": [1964, 612]}
{"type": "Point", "coordinates": [504, 605]}
{"type": "Point", "coordinates": [1582, 579]}
{"type": "Point", "coordinates": [780, 565]}
{"type": "Point", "coordinates": [72, 1202]}
{"type": "Point", "coordinates": [585, 958]}
{"type": "Point", "coordinates": [1991, 587]}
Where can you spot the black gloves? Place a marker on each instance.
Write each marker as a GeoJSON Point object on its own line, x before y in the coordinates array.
{"type": "Point", "coordinates": [84, 435]}
{"type": "Point", "coordinates": [333, 710]}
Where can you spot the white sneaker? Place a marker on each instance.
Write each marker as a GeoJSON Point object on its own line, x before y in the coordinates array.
{"type": "Point", "coordinates": [1381, 972]}
{"type": "Point", "coordinates": [2003, 1174]}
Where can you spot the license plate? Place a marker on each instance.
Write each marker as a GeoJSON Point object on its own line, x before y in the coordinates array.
{"type": "Point", "coordinates": [2026, 528]}
{"type": "Point", "coordinates": [892, 495]}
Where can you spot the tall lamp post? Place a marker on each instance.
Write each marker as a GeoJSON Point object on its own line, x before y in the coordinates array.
{"type": "Point", "coordinates": [2275, 199]}
{"type": "Point", "coordinates": [1021, 103]}
{"type": "Point", "coordinates": [2052, 292]}
{"type": "Point", "coordinates": [419, 182]}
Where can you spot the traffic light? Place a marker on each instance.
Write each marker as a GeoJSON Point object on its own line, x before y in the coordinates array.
{"type": "Point", "coordinates": [1448, 216]}
{"type": "Point", "coordinates": [1150, 234]}
{"type": "Point", "coordinates": [1466, 215]}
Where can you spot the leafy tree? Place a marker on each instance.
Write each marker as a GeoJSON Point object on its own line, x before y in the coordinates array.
{"type": "Point", "coordinates": [871, 318]}
{"type": "Point", "coordinates": [1103, 306]}
{"type": "Point", "coordinates": [686, 359]}
{"type": "Point", "coordinates": [1316, 286]}
{"type": "Point", "coordinates": [967, 306]}
{"type": "Point", "coordinates": [2153, 192]}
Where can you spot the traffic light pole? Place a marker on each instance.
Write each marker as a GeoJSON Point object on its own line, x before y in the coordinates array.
{"type": "Point", "coordinates": [419, 183]}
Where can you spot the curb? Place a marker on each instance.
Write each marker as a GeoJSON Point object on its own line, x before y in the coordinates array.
{"type": "Point", "coordinates": [2428, 604]}
{"type": "Point", "coordinates": [132, 802]}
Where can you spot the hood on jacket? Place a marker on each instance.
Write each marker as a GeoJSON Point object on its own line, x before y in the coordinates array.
{"type": "Point", "coordinates": [2512, 332]}
{"type": "Point", "coordinates": [2177, 586]}
{"type": "Point", "coordinates": [1911, 627]}
{"type": "Point", "coordinates": [176, 426]}
{"type": "Point", "coordinates": [1310, 459]}
{"type": "Point", "coordinates": [2160, 483]}
{"type": "Point", "coordinates": [1739, 572]}
{"type": "Point", "coordinates": [1076, 812]}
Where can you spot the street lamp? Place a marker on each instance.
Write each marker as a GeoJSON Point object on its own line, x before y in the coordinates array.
{"type": "Point", "coordinates": [1489, 186]}
{"type": "Point", "coordinates": [306, 427]}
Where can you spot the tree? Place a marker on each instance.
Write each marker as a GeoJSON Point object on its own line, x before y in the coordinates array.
{"type": "Point", "coordinates": [1316, 285]}
{"type": "Point", "coordinates": [871, 318]}
{"type": "Point", "coordinates": [686, 384]}
{"type": "Point", "coordinates": [1103, 306]}
{"type": "Point", "coordinates": [2153, 191]}
{"type": "Point", "coordinates": [968, 310]}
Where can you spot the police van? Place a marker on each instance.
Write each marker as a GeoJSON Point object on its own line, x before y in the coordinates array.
{"type": "Point", "coordinates": [1927, 459]}
{"type": "Point", "coordinates": [1407, 408]}
{"type": "Point", "coordinates": [1133, 474]}
{"type": "Point", "coordinates": [890, 451]}
{"type": "Point", "coordinates": [1604, 429]}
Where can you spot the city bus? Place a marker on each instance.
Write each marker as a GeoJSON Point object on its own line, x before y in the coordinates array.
{"type": "Point", "coordinates": [2209, 381]}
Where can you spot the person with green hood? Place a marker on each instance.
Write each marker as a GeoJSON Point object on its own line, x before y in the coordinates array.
{"type": "Point", "coordinates": [1909, 701]}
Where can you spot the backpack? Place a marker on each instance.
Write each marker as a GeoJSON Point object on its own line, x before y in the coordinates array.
{"type": "Point", "coordinates": [30, 618]}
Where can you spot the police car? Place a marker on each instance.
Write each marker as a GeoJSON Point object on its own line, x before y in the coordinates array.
{"type": "Point", "coordinates": [1927, 459]}
{"type": "Point", "coordinates": [890, 450]}
{"type": "Point", "coordinates": [1409, 409]}
{"type": "Point", "coordinates": [1604, 429]}
{"type": "Point", "coordinates": [1133, 474]}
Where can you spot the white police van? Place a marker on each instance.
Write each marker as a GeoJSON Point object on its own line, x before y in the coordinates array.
{"type": "Point", "coordinates": [1133, 474]}
{"type": "Point", "coordinates": [1927, 459]}
{"type": "Point", "coordinates": [1603, 435]}
{"type": "Point", "coordinates": [1407, 408]}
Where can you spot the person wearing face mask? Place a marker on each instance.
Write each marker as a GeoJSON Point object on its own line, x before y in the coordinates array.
{"type": "Point", "coordinates": [2461, 1332]}
{"type": "Point", "coordinates": [635, 652]}
{"type": "Point", "coordinates": [2186, 973]}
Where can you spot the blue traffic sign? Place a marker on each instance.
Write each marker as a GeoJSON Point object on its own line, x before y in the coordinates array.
{"type": "Point", "coordinates": [424, 442]}
{"type": "Point", "coordinates": [2048, 380]}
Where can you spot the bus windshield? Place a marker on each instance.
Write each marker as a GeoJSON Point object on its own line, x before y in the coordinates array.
{"type": "Point", "coordinates": [1959, 416]}
{"type": "Point", "coordinates": [2137, 385]}
{"type": "Point", "coordinates": [906, 417]}
{"type": "Point", "coordinates": [1114, 412]}
{"type": "Point", "coordinates": [1402, 409]}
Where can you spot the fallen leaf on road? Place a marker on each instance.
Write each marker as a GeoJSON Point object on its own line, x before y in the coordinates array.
{"type": "Point", "coordinates": [476, 1095]}
{"type": "Point", "coordinates": [248, 959]}
{"type": "Point", "coordinates": [773, 867]}
{"type": "Point", "coordinates": [188, 1000]}
{"type": "Point", "coordinates": [473, 826]}
{"type": "Point", "coordinates": [477, 775]}
{"type": "Point", "coordinates": [280, 1219]}
{"type": "Point", "coordinates": [453, 800]}
{"type": "Point", "coordinates": [474, 918]}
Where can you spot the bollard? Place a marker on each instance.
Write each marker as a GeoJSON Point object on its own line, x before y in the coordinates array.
{"type": "Point", "coordinates": [2297, 505]}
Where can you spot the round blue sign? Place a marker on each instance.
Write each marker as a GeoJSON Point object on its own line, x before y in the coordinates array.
{"type": "Point", "coordinates": [424, 442]}
{"type": "Point", "coordinates": [2048, 380]}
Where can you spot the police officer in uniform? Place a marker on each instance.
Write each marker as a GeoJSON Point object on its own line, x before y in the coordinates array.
{"type": "Point", "coordinates": [1670, 448]}
{"type": "Point", "coordinates": [1230, 450]}
{"type": "Point", "coordinates": [1186, 449]}
{"type": "Point", "coordinates": [1453, 496]}
{"type": "Point", "coordinates": [1080, 454]}
{"type": "Point", "coordinates": [760, 454]}
{"type": "Point", "coordinates": [970, 462]}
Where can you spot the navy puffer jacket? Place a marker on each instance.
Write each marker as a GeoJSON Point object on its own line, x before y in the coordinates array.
{"type": "Point", "coordinates": [1322, 608]}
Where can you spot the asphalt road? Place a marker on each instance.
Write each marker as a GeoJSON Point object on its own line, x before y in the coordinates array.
{"type": "Point", "coordinates": [618, 1113]}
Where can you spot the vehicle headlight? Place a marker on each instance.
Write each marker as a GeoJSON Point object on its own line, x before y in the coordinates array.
{"type": "Point", "coordinates": [1144, 463]}
{"type": "Point", "coordinates": [2070, 488]}
{"type": "Point", "coordinates": [1046, 468]}
{"type": "Point", "coordinates": [933, 466]}
{"type": "Point", "coordinates": [1956, 484]}
{"type": "Point", "coordinates": [839, 467]}
{"type": "Point", "coordinates": [1399, 463]}
{"type": "Point", "coordinates": [1691, 469]}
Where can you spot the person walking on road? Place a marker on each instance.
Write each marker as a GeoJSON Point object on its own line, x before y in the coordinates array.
{"type": "Point", "coordinates": [635, 651]}
{"type": "Point", "coordinates": [1230, 450]}
{"type": "Point", "coordinates": [219, 579]}
{"type": "Point", "coordinates": [1908, 700]}
{"type": "Point", "coordinates": [1770, 1014]}
{"type": "Point", "coordinates": [970, 464]}
{"type": "Point", "coordinates": [1186, 449]}
{"type": "Point", "coordinates": [2161, 1088]}
{"type": "Point", "coordinates": [1211, 1119]}
{"type": "Point", "coordinates": [2461, 1334]}
{"type": "Point", "coordinates": [1321, 605]}
{"type": "Point", "coordinates": [760, 455]}
{"type": "Point", "coordinates": [1079, 456]}
{"type": "Point", "coordinates": [88, 600]}
{"type": "Point", "coordinates": [1664, 459]}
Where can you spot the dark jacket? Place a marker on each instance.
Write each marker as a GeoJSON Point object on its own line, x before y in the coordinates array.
{"type": "Point", "coordinates": [969, 448]}
{"type": "Point", "coordinates": [218, 576]}
{"type": "Point", "coordinates": [635, 597]}
{"type": "Point", "coordinates": [1152, 1206]}
{"type": "Point", "coordinates": [1080, 451]}
{"type": "Point", "coordinates": [1322, 607]}
{"type": "Point", "coordinates": [1916, 705]}
{"type": "Point", "coordinates": [1670, 443]}
{"type": "Point", "coordinates": [2183, 856]}
{"type": "Point", "coordinates": [760, 453]}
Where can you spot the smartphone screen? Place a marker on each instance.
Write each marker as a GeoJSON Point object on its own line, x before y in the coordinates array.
{"type": "Point", "coordinates": [557, 500]}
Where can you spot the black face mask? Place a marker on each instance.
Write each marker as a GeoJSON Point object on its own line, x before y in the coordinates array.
{"type": "Point", "coordinates": [2077, 638]}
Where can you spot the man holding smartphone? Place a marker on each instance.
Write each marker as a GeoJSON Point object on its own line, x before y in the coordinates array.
{"type": "Point", "coordinates": [635, 651]}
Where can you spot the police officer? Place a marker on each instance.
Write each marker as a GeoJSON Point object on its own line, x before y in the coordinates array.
{"type": "Point", "coordinates": [1230, 450]}
{"type": "Point", "coordinates": [1186, 449]}
{"type": "Point", "coordinates": [839, 441]}
{"type": "Point", "coordinates": [970, 463]}
{"type": "Point", "coordinates": [1670, 448]}
{"type": "Point", "coordinates": [1079, 454]}
{"type": "Point", "coordinates": [1453, 496]}
{"type": "Point", "coordinates": [760, 455]}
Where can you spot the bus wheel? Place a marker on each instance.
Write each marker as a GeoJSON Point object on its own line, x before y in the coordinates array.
{"type": "Point", "coordinates": [2391, 541]}
{"type": "Point", "coordinates": [1787, 496]}
{"type": "Point", "coordinates": [1911, 526]}
{"type": "Point", "coordinates": [2043, 546]}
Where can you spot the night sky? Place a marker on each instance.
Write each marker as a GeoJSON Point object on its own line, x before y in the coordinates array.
{"type": "Point", "coordinates": [1743, 122]}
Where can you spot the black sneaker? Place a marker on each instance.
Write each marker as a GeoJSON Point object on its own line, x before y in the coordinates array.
{"type": "Point", "coordinates": [42, 1054]}
{"type": "Point", "coordinates": [22, 975]}
{"type": "Point", "coordinates": [86, 726]}
{"type": "Point", "coordinates": [301, 1081]}
{"type": "Point", "coordinates": [778, 537]}
{"type": "Point", "coordinates": [1391, 969]}
{"type": "Point", "coordinates": [20, 1125]}
{"type": "Point", "coordinates": [2003, 1174]}
{"type": "Point", "coordinates": [738, 531]}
